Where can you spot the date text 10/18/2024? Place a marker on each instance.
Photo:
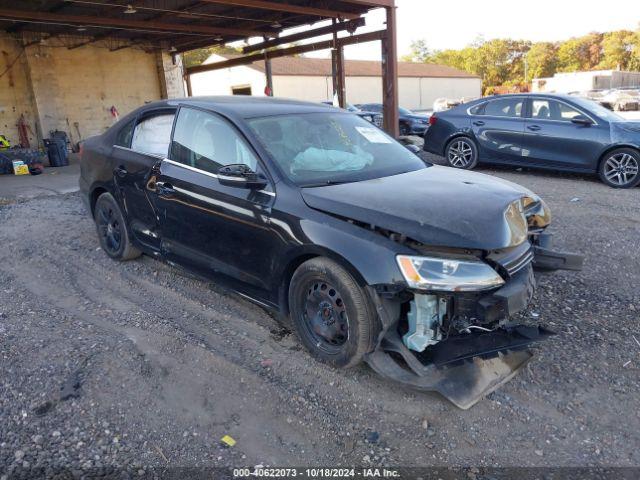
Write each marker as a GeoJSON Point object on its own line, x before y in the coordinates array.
{"type": "Point", "coordinates": [316, 473]}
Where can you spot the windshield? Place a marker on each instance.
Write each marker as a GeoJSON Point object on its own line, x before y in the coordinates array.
{"type": "Point", "coordinates": [598, 109]}
{"type": "Point", "coordinates": [405, 111]}
{"type": "Point", "coordinates": [315, 149]}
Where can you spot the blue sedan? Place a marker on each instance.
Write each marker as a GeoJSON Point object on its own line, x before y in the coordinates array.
{"type": "Point", "coordinates": [556, 132]}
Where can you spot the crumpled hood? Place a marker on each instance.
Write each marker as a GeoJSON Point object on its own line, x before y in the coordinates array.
{"type": "Point", "coordinates": [437, 206]}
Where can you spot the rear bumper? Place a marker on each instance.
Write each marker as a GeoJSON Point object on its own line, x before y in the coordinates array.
{"type": "Point", "coordinates": [84, 193]}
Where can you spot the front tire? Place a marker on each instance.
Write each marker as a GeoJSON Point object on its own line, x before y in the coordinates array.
{"type": "Point", "coordinates": [112, 229]}
{"type": "Point", "coordinates": [331, 313]}
{"type": "Point", "coordinates": [461, 152]}
{"type": "Point", "coordinates": [620, 168]}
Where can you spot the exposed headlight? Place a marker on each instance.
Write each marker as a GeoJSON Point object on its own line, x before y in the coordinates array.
{"type": "Point", "coordinates": [537, 212]}
{"type": "Point", "coordinates": [449, 275]}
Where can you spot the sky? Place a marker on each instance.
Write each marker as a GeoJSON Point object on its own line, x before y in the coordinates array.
{"type": "Point", "coordinates": [456, 23]}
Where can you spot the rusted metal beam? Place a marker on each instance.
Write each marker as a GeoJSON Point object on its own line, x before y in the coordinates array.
{"type": "Point", "coordinates": [390, 76]}
{"type": "Point", "coordinates": [340, 87]}
{"type": "Point", "coordinates": [55, 8]}
{"type": "Point", "coordinates": [14, 14]}
{"type": "Point", "coordinates": [287, 7]}
{"type": "Point", "coordinates": [284, 52]}
{"type": "Point", "coordinates": [268, 77]}
{"type": "Point", "coordinates": [371, 3]}
{"type": "Point", "coordinates": [187, 80]}
{"type": "Point", "coordinates": [350, 26]}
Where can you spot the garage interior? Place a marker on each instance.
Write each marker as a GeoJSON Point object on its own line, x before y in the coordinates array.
{"type": "Point", "coordinates": [75, 66]}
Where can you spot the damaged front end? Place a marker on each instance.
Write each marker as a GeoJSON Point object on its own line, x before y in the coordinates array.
{"type": "Point", "coordinates": [448, 327]}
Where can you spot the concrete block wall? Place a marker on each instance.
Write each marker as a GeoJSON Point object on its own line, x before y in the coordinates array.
{"type": "Point", "coordinates": [171, 76]}
{"type": "Point", "coordinates": [56, 87]}
{"type": "Point", "coordinates": [82, 85]}
{"type": "Point", "coordinates": [16, 97]}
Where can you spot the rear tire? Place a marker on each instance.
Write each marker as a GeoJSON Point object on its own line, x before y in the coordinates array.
{"type": "Point", "coordinates": [112, 229]}
{"type": "Point", "coordinates": [620, 168]}
{"type": "Point", "coordinates": [331, 313]}
{"type": "Point", "coordinates": [462, 153]}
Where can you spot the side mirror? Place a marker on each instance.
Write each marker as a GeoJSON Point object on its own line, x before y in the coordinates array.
{"type": "Point", "coordinates": [582, 120]}
{"type": "Point", "coordinates": [240, 175]}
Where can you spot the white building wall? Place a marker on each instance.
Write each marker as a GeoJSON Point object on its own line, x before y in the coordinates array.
{"type": "Point", "coordinates": [311, 89]}
{"type": "Point", "coordinates": [222, 82]}
{"type": "Point", "coordinates": [582, 81]}
{"type": "Point", "coordinates": [418, 93]}
{"type": "Point", "coordinates": [454, 88]}
{"type": "Point", "coordinates": [364, 89]}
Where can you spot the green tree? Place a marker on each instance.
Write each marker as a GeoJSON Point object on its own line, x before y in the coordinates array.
{"type": "Point", "coordinates": [419, 52]}
{"type": "Point", "coordinates": [581, 53]}
{"type": "Point", "coordinates": [541, 60]}
{"type": "Point", "coordinates": [618, 49]}
{"type": "Point", "coordinates": [198, 56]}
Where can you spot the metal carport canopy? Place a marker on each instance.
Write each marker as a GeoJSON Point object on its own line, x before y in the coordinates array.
{"type": "Point", "coordinates": [181, 25]}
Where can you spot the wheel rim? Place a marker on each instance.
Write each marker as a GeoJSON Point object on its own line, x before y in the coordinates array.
{"type": "Point", "coordinates": [109, 228]}
{"type": "Point", "coordinates": [621, 169]}
{"type": "Point", "coordinates": [325, 317]}
{"type": "Point", "coordinates": [460, 154]}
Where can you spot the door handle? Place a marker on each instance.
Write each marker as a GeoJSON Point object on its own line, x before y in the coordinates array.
{"type": "Point", "coordinates": [120, 171]}
{"type": "Point", "coordinates": [534, 128]}
{"type": "Point", "coordinates": [165, 189]}
{"type": "Point", "coordinates": [478, 123]}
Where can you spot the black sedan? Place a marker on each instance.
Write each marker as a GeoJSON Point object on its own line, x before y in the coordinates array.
{"type": "Point", "coordinates": [411, 123]}
{"type": "Point", "coordinates": [319, 216]}
{"type": "Point", "coordinates": [558, 132]}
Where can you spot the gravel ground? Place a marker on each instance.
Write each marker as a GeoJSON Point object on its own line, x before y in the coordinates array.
{"type": "Point", "coordinates": [131, 366]}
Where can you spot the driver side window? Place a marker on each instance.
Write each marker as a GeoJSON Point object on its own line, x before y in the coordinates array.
{"type": "Point", "coordinates": [207, 142]}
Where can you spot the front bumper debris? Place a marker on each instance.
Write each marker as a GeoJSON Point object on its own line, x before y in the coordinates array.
{"type": "Point", "coordinates": [547, 260]}
{"type": "Point", "coordinates": [462, 369]}
{"type": "Point", "coordinates": [482, 350]}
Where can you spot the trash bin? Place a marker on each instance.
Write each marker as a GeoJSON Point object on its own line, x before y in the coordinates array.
{"type": "Point", "coordinates": [56, 151]}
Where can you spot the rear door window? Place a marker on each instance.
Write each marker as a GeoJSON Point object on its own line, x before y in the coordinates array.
{"type": "Point", "coordinates": [504, 107]}
{"type": "Point", "coordinates": [153, 134]}
{"type": "Point", "coordinates": [477, 109]}
{"type": "Point", "coordinates": [123, 139]}
{"type": "Point", "coordinates": [207, 141]}
{"type": "Point", "coordinates": [545, 109]}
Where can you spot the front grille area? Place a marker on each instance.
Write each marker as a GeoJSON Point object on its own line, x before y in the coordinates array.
{"type": "Point", "coordinates": [510, 261]}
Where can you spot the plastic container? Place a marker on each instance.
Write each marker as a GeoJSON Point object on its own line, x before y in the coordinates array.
{"type": "Point", "coordinates": [56, 151]}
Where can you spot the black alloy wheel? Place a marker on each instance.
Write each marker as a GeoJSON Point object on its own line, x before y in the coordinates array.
{"type": "Point", "coordinates": [112, 230]}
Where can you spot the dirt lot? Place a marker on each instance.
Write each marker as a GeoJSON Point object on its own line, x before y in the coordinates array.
{"type": "Point", "coordinates": [139, 365]}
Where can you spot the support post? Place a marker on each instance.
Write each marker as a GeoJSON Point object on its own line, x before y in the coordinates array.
{"type": "Point", "coordinates": [187, 80]}
{"type": "Point", "coordinates": [269, 77]}
{"type": "Point", "coordinates": [340, 77]}
{"type": "Point", "coordinates": [334, 66]}
{"type": "Point", "coordinates": [390, 75]}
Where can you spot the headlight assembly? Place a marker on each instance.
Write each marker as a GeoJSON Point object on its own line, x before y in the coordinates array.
{"type": "Point", "coordinates": [449, 275]}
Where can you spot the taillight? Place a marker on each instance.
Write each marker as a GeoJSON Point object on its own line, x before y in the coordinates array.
{"type": "Point", "coordinates": [80, 150]}
{"type": "Point", "coordinates": [432, 119]}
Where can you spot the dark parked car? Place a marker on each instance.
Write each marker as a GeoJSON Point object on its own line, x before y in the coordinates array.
{"type": "Point", "coordinates": [371, 117]}
{"type": "Point", "coordinates": [312, 212]}
{"type": "Point", "coordinates": [558, 132]}
{"type": "Point", "coordinates": [411, 123]}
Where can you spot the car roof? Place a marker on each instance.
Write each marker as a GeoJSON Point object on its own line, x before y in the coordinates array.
{"type": "Point", "coordinates": [246, 106]}
{"type": "Point", "coordinates": [562, 96]}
